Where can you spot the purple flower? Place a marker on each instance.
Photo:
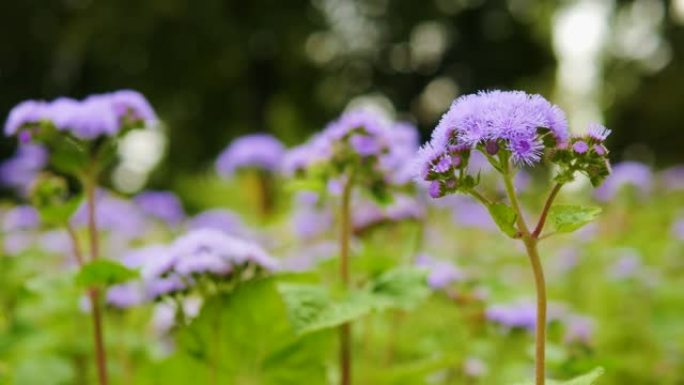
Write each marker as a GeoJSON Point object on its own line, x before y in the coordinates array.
{"type": "Point", "coordinates": [579, 329]}
{"type": "Point", "coordinates": [673, 178]}
{"type": "Point", "coordinates": [627, 266]}
{"type": "Point", "coordinates": [441, 273]}
{"type": "Point", "coordinates": [20, 218]}
{"type": "Point", "coordinates": [310, 220]}
{"type": "Point", "coordinates": [598, 132]}
{"type": "Point", "coordinates": [218, 219]}
{"type": "Point", "coordinates": [163, 205]}
{"type": "Point", "coordinates": [21, 170]}
{"type": "Point", "coordinates": [512, 119]}
{"type": "Point", "coordinates": [133, 105]}
{"type": "Point", "coordinates": [125, 295]}
{"type": "Point", "coordinates": [580, 147]}
{"type": "Point", "coordinates": [520, 315]}
{"type": "Point", "coordinates": [24, 113]}
{"type": "Point", "coordinates": [259, 151]}
{"type": "Point", "coordinates": [113, 214]}
{"type": "Point", "coordinates": [469, 214]}
{"type": "Point", "coordinates": [305, 258]}
{"type": "Point", "coordinates": [678, 229]}
{"type": "Point", "coordinates": [369, 213]}
{"type": "Point", "coordinates": [627, 173]}
{"type": "Point", "coordinates": [214, 252]}
{"type": "Point", "coordinates": [94, 116]}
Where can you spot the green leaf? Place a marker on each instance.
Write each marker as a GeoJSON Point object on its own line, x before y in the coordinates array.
{"type": "Point", "coordinates": [68, 155]}
{"type": "Point", "coordinates": [567, 218]}
{"type": "Point", "coordinates": [585, 379]}
{"type": "Point", "coordinates": [60, 213]}
{"type": "Point", "coordinates": [245, 337]}
{"type": "Point", "coordinates": [50, 196]}
{"type": "Point", "coordinates": [104, 272]}
{"type": "Point", "coordinates": [401, 288]}
{"type": "Point", "coordinates": [504, 217]}
{"type": "Point", "coordinates": [312, 308]}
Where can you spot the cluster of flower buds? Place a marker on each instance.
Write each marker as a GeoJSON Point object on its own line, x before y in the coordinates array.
{"type": "Point", "coordinates": [586, 154]}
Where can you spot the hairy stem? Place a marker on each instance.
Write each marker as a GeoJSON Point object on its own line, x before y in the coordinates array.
{"type": "Point", "coordinates": [530, 242]}
{"type": "Point", "coordinates": [545, 212]}
{"type": "Point", "coordinates": [90, 185]}
{"type": "Point", "coordinates": [345, 235]}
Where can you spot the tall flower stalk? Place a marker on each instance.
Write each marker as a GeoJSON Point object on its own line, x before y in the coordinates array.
{"type": "Point", "coordinates": [345, 238]}
{"type": "Point", "coordinates": [360, 150]}
{"type": "Point", "coordinates": [81, 137]}
{"type": "Point", "coordinates": [512, 130]}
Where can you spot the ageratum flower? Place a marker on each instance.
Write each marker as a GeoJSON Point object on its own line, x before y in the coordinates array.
{"type": "Point", "coordinates": [360, 142]}
{"type": "Point", "coordinates": [96, 115]}
{"type": "Point", "coordinates": [520, 315]}
{"type": "Point", "coordinates": [21, 170]}
{"type": "Point", "coordinates": [441, 273]}
{"type": "Point", "coordinates": [521, 124]}
{"type": "Point", "coordinates": [20, 218]}
{"type": "Point", "coordinates": [162, 205]}
{"type": "Point", "coordinates": [635, 174]}
{"type": "Point", "coordinates": [113, 214]}
{"type": "Point", "coordinates": [204, 252]}
{"type": "Point", "coordinates": [218, 219]}
{"type": "Point", "coordinates": [259, 151]}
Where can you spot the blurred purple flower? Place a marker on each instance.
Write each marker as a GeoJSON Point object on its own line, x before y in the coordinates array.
{"type": "Point", "coordinates": [521, 315]}
{"type": "Point", "coordinates": [627, 173]}
{"type": "Point", "coordinates": [678, 229]}
{"type": "Point", "coordinates": [309, 220]}
{"type": "Point", "coordinates": [673, 178]}
{"type": "Point", "coordinates": [469, 214]}
{"type": "Point", "coordinates": [115, 215]}
{"type": "Point", "coordinates": [579, 329]}
{"type": "Point", "coordinates": [26, 112]}
{"type": "Point", "coordinates": [163, 205]}
{"type": "Point", "coordinates": [20, 218]}
{"type": "Point", "coordinates": [219, 219]}
{"type": "Point", "coordinates": [125, 295]}
{"type": "Point", "coordinates": [441, 273]}
{"type": "Point", "coordinates": [260, 151]}
{"type": "Point", "coordinates": [18, 242]}
{"type": "Point", "coordinates": [96, 115]}
{"type": "Point", "coordinates": [21, 170]}
{"type": "Point", "coordinates": [627, 266]}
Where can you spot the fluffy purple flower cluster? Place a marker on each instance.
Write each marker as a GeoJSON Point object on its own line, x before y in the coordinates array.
{"type": "Point", "coordinates": [505, 125]}
{"type": "Point", "coordinates": [259, 151]}
{"type": "Point", "coordinates": [96, 115]}
{"type": "Point", "coordinates": [363, 140]}
{"type": "Point", "coordinates": [174, 268]}
{"type": "Point", "coordinates": [523, 125]}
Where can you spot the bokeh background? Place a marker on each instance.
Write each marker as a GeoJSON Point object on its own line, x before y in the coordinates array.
{"type": "Point", "coordinates": [217, 69]}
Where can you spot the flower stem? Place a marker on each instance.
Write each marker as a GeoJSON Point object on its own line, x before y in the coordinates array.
{"type": "Point", "coordinates": [540, 330]}
{"type": "Point", "coordinates": [94, 294]}
{"type": "Point", "coordinates": [345, 235]}
{"type": "Point", "coordinates": [545, 212]}
{"type": "Point", "coordinates": [530, 242]}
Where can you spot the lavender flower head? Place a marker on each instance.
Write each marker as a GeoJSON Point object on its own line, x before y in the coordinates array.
{"type": "Point", "coordinates": [519, 123]}
{"type": "Point", "coordinates": [624, 174]}
{"type": "Point", "coordinates": [260, 151]}
{"type": "Point", "coordinates": [360, 140]}
{"type": "Point", "coordinates": [162, 205]}
{"type": "Point", "coordinates": [96, 115]}
{"type": "Point", "coordinates": [520, 315]}
{"type": "Point", "coordinates": [218, 219]}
